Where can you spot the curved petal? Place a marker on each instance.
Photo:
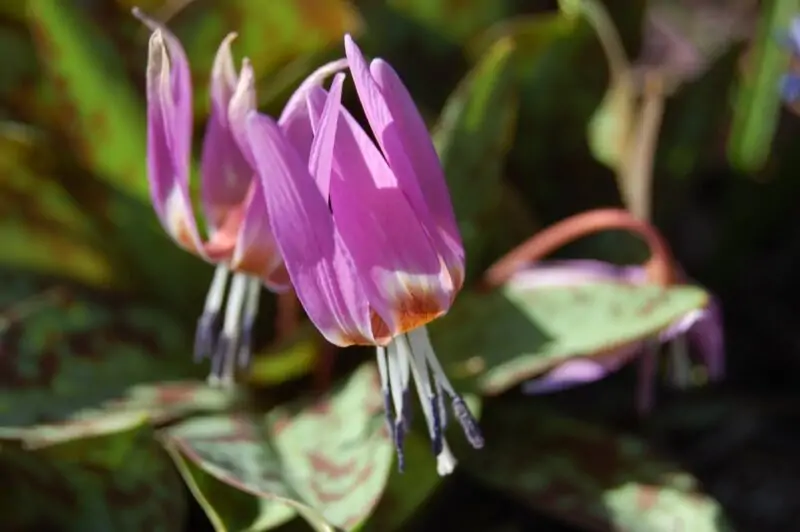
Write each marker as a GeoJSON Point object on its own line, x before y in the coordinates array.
{"type": "Point", "coordinates": [706, 337]}
{"type": "Point", "coordinates": [225, 174]}
{"type": "Point", "coordinates": [574, 272]}
{"type": "Point", "coordinates": [256, 251]}
{"type": "Point", "coordinates": [169, 130]}
{"type": "Point", "coordinates": [581, 370]}
{"type": "Point", "coordinates": [316, 259]}
{"type": "Point", "coordinates": [399, 266]}
{"type": "Point", "coordinates": [294, 119]}
{"type": "Point", "coordinates": [406, 144]}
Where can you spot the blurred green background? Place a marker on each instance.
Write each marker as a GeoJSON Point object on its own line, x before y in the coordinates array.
{"type": "Point", "coordinates": [539, 110]}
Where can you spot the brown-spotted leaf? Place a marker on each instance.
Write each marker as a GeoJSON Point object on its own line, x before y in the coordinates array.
{"type": "Point", "coordinates": [122, 481]}
{"type": "Point", "coordinates": [587, 476]}
{"type": "Point", "coordinates": [516, 333]}
{"type": "Point", "coordinates": [67, 348]}
{"type": "Point", "coordinates": [326, 460]}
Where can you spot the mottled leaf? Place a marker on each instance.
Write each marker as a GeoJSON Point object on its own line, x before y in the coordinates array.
{"type": "Point", "coordinates": [67, 348]}
{"type": "Point", "coordinates": [408, 491]}
{"type": "Point", "coordinates": [327, 460]}
{"type": "Point", "coordinates": [587, 476]}
{"type": "Point", "coordinates": [472, 137]}
{"type": "Point", "coordinates": [758, 102]}
{"type": "Point", "coordinates": [122, 481]}
{"type": "Point", "coordinates": [516, 333]}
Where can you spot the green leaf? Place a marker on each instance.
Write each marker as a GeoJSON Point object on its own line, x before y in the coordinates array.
{"type": "Point", "coordinates": [98, 109]}
{"type": "Point", "coordinates": [517, 333]}
{"type": "Point", "coordinates": [758, 101]}
{"type": "Point", "coordinates": [472, 137]}
{"type": "Point", "coordinates": [122, 481]}
{"type": "Point", "coordinates": [41, 220]}
{"type": "Point", "coordinates": [327, 460]}
{"type": "Point", "coordinates": [611, 125]}
{"type": "Point", "coordinates": [296, 29]}
{"type": "Point", "coordinates": [587, 476]}
{"type": "Point", "coordinates": [90, 100]}
{"type": "Point", "coordinates": [455, 19]}
{"type": "Point", "coordinates": [69, 348]}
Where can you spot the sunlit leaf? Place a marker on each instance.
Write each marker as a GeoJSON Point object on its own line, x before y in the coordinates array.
{"type": "Point", "coordinates": [587, 476]}
{"type": "Point", "coordinates": [611, 126]}
{"type": "Point", "coordinates": [67, 348]}
{"type": "Point", "coordinates": [122, 481]}
{"type": "Point", "coordinates": [758, 102]}
{"type": "Point", "coordinates": [327, 460]}
{"type": "Point", "coordinates": [514, 334]}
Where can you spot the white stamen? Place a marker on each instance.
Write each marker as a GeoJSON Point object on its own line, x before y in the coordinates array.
{"type": "Point", "coordinates": [216, 292]}
{"type": "Point", "coordinates": [445, 461]}
{"type": "Point", "coordinates": [398, 379]}
{"type": "Point", "coordinates": [421, 346]}
{"type": "Point", "coordinates": [225, 359]}
{"type": "Point", "coordinates": [250, 311]}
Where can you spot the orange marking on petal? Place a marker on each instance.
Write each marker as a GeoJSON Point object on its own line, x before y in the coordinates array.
{"type": "Point", "coordinates": [183, 234]}
{"type": "Point", "coordinates": [415, 308]}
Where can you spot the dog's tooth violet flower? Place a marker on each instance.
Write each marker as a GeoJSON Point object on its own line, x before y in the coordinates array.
{"type": "Point", "coordinates": [700, 329]}
{"type": "Point", "coordinates": [239, 240]}
{"type": "Point", "coordinates": [369, 238]}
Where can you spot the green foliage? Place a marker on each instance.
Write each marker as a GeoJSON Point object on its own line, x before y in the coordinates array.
{"type": "Point", "coordinates": [106, 422]}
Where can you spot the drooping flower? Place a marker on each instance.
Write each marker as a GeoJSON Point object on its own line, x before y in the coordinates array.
{"type": "Point", "coordinates": [239, 238]}
{"type": "Point", "coordinates": [700, 329]}
{"type": "Point", "coordinates": [369, 238]}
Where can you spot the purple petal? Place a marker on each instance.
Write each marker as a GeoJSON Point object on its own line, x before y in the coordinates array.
{"type": "Point", "coordinates": [413, 134]}
{"type": "Point", "coordinates": [169, 130]}
{"type": "Point", "coordinates": [225, 174]}
{"type": "Point", "coordinates": [399, 267]}
{"type": "Point", "coordinates": [294, 119]}
{"type": "Point", "coordinates": [316, 259]}
{"type": "Point", "coordinates": [581, 370]}
{"type": "Point", "coordinates": [256, 251]}
{"type": "Point", "coordinates": [393, 127]}
{"type": "Point", "coordinates": [575, 272]}
{"type": "Point", "coordinates": [707, 340]}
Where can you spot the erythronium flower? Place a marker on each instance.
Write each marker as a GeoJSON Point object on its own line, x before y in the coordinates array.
{"type": "Point", "coordinates": [702, 329]}
{"type": "Point", "coordinates": [369, 237]}
{"type": "Point", "coordinates": [239, 240]}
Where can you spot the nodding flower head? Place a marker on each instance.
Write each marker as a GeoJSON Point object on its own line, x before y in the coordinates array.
{"type": "Point", "coordinates": [369, 238]}
{"type": "Point", "coordinates": [239, 239]}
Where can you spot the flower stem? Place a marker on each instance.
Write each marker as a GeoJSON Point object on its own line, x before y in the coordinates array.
{"type": "Point", "coordinates": [659, 267]}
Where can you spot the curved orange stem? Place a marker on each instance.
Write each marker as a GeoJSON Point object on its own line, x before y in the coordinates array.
{"type": "Point", "coordinates": [659, 267]}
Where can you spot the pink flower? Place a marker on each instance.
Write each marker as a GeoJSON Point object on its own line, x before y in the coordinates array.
{"type": "Point", "coordinates": [239, 237]}
{"type": "Point", "coordinates": [369, 238]}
